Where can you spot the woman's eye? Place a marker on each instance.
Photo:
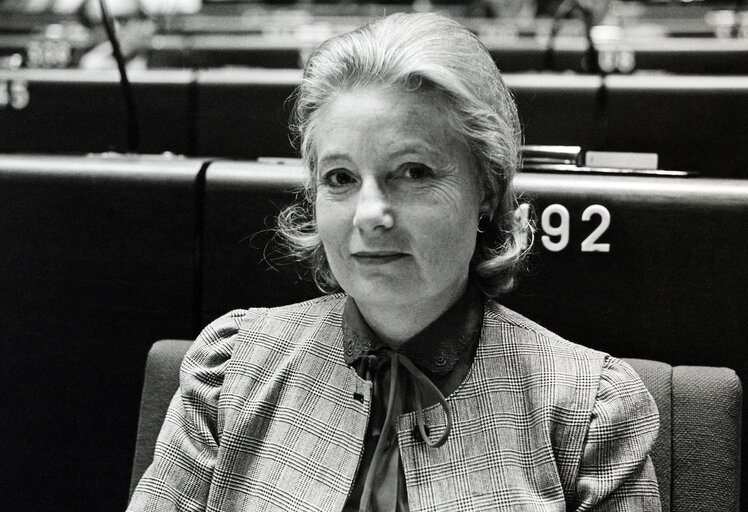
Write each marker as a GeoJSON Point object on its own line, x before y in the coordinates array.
{"type": "Point", "coordinates": [337, 178]}
{"type": "Point", "coordinates": [417, 171]}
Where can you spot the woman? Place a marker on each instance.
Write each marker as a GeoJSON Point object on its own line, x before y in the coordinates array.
{"type": "Point", "coordinates": [412, 389]}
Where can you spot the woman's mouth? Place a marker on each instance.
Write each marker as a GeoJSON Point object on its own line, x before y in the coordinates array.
{"type": "Point", "coordinates": [377, 257]}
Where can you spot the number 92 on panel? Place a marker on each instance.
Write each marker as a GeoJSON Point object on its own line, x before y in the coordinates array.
{"type": "Point", "coordinates": [556, 228]}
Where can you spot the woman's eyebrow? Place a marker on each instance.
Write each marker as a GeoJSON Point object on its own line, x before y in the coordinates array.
{"type": "Point", "coordinates": [409, 147]}
{"type": "Point", "coordinates": [332, 158]}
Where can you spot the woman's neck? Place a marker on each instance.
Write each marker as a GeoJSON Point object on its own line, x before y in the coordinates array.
{"type": "Point", "coordinates": [397, 323]}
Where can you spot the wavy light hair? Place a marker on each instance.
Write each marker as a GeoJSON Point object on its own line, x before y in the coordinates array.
{"type": "Point", "coordinates": [419, 53]}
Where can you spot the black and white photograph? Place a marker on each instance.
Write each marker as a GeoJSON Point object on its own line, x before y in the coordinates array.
{"type": "Point", "coordinates": [373, 256]}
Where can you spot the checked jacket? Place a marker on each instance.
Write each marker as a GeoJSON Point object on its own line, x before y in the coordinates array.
{"type": "Point", "coordinates": [269, 417]}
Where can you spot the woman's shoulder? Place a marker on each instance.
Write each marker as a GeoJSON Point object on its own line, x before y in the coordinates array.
{"type": "Point", "coordinates": [327, 309]}
{"type": "Point", "coordinates": [513, 330]}
{"type": "Point", "coordinates": [247, 318]}
{"type": "Point", "coordinates": [282, 324]}
{"type": "Point", "coordinates": [278, 329]}
{"type": "Point", "coordinates": [590, 378]}
{"type": "Point", "coordinates": [539, 350]}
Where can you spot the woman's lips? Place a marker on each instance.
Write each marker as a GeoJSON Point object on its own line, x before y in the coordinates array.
{"type": "Point", "coordinates": [377, 257]}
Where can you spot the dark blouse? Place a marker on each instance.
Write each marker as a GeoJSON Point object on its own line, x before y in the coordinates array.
{"type": "Point", "coordinates": [440, 354]}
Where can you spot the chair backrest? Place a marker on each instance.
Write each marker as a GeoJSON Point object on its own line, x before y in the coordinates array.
{"type": "Point", "coordinates": [696, 457]}
{"type": "Point", "coordinates": [697, 453]}
{"type": "Point", "coordinates": [160, 384]}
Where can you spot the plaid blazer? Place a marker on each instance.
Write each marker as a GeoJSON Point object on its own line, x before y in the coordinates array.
{"type": "Point", "coordinates": [269, 417]}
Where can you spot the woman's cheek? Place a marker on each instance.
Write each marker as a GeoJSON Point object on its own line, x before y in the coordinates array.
{"type": "Point", "coordinates": [331, 219]}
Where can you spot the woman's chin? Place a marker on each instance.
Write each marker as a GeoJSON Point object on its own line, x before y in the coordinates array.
{"type": "Point", "coordinates": [385, 290]}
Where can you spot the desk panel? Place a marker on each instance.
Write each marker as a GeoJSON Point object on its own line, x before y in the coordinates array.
{"type": "Point", "coordinates": [82, 111]}
{"type": "Point", "coordinates": [244, 113]}
{"type": "Point", "coordinates": [691, 122]}
{"type": "Point", "coordinates": [97, 262]}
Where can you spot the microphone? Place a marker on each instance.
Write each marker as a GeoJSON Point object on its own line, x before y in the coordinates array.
{"type": "Point", "coordinates": [133, 129]}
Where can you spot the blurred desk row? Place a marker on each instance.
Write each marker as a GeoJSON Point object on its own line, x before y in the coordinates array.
{"type": "Point", "coordinates": [705, 37]}
{"type": "Point", "coordinates": [511, 54]}
{"type": "Point", "coordinates": [230, 41]}
{"type": "Point", "coordinates": [693, 123]}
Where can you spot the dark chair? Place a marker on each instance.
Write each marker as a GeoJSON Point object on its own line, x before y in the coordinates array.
{"type": "Point", "coordinates": [697, 455]}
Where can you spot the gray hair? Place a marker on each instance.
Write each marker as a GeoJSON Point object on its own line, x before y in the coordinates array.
{"type": "Point", "coordinates": [420, 53]}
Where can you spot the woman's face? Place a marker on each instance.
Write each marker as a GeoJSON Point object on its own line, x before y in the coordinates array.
{"type": "Point", "coordinates": [397, 201]}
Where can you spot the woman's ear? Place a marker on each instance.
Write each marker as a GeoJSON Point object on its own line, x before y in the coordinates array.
{"type": "Point", "coordinates": [489, 204]}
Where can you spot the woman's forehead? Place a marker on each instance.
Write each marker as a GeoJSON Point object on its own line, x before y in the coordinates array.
{"type": "Point", "coordinates": [385, 102]}
{"type": "Point", "coordinates": [396, 121]}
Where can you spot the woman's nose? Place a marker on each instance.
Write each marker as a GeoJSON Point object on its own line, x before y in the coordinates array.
{"type": "Point", "coordinates": [373, 210]}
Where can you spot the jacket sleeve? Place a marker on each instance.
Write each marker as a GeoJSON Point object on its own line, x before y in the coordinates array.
{"type": "Point", "coordinates": [615, 471]}
{"type": "Point", "coordinates": [179, 477]}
